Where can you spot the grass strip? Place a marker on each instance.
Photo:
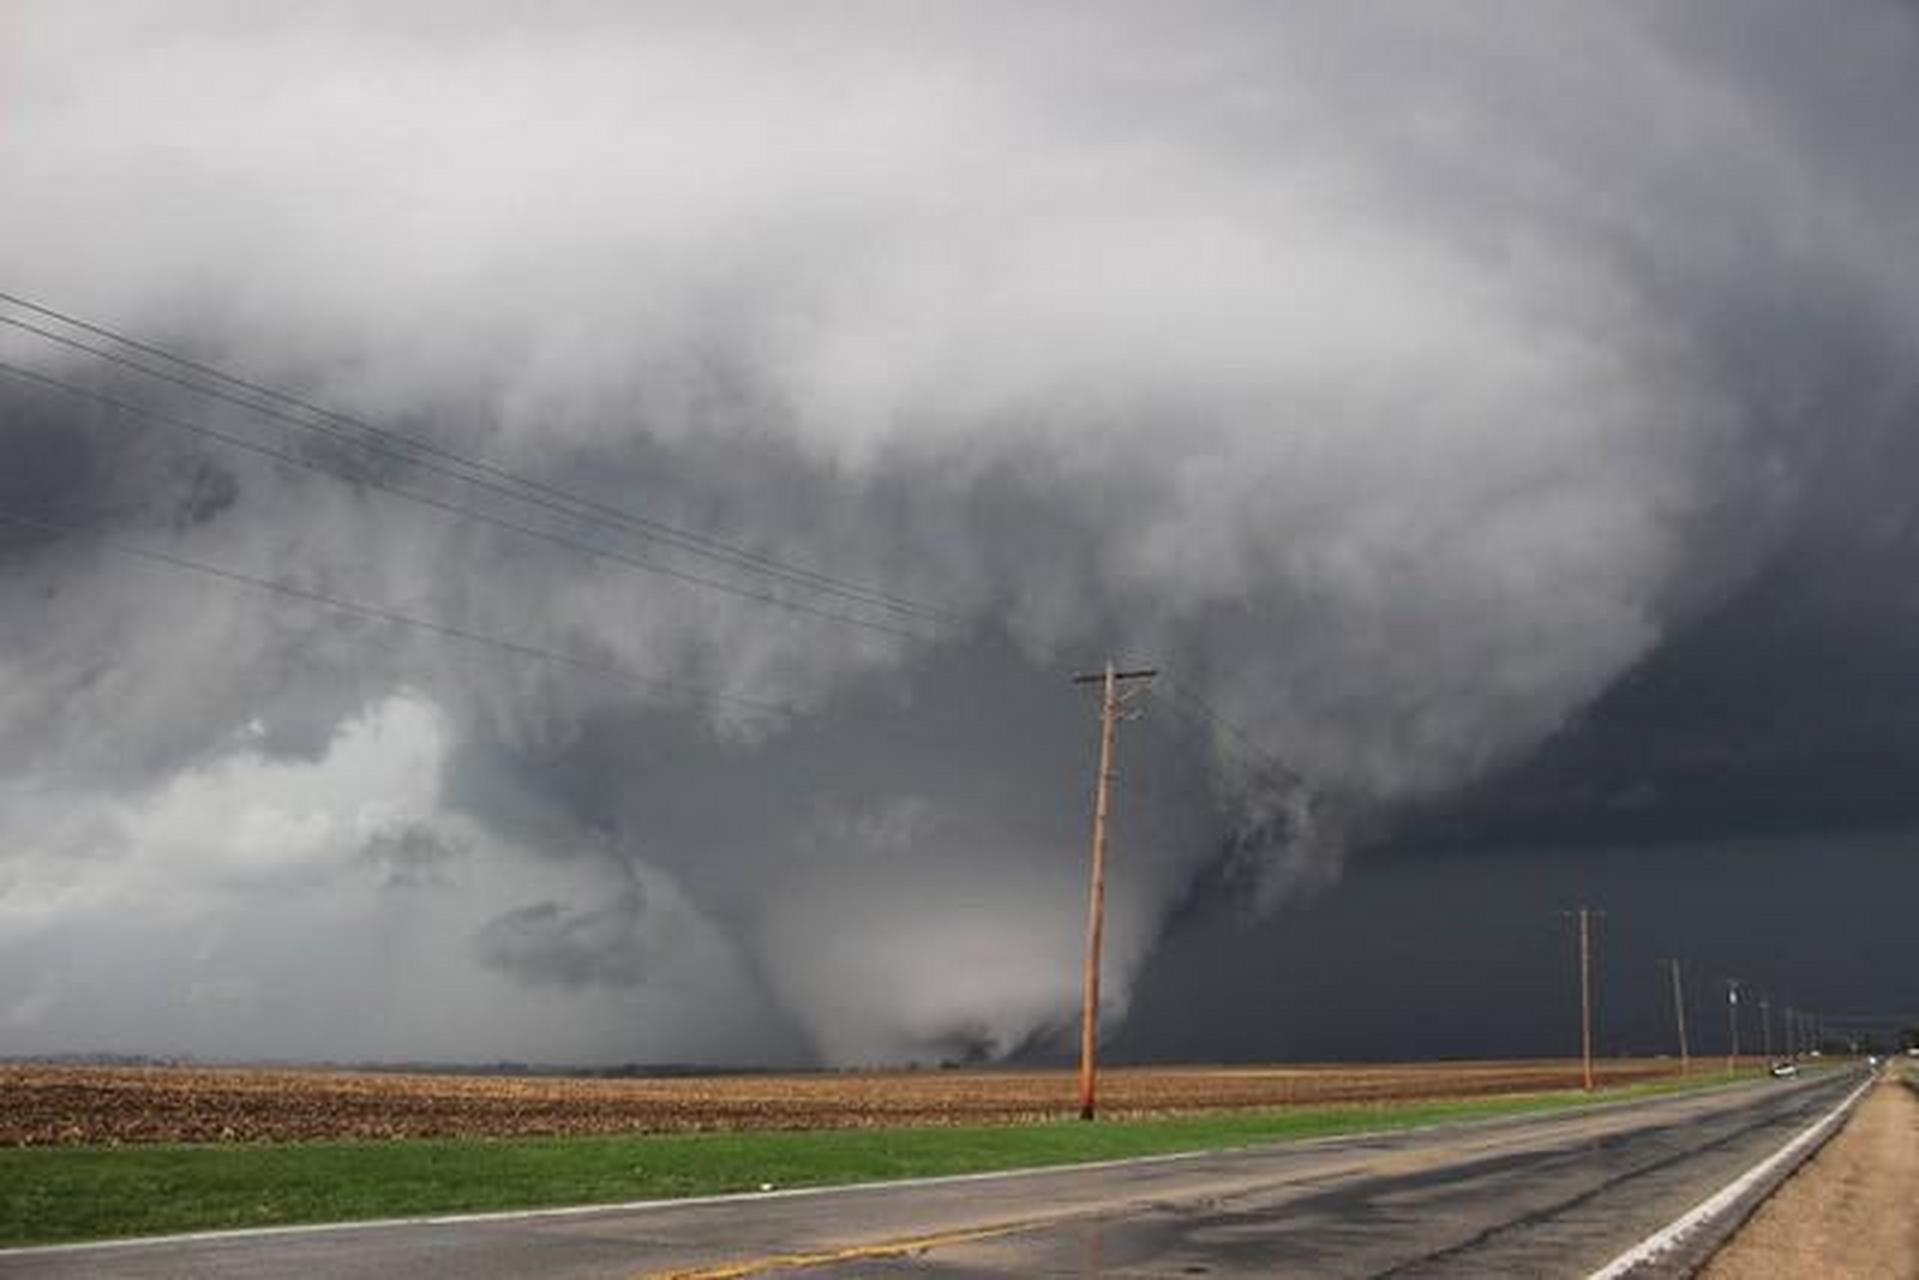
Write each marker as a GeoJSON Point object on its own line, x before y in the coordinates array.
{"type": "Point", "coordinates": [58, 1194]}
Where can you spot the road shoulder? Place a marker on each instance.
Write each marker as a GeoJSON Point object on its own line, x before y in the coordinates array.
{"type": "Point", "coordinates": [1848, 1211]}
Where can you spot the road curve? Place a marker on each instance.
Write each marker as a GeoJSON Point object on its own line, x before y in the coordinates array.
{"type": "Point", "coordinates": [1548, 1195]}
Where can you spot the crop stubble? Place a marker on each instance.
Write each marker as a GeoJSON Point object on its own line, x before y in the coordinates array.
{"type": "Point", "coordinates": [68, 1106]}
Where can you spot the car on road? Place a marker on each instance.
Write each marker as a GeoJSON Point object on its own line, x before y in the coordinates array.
{"type": "Point", "coordinates": [1785, 1070]}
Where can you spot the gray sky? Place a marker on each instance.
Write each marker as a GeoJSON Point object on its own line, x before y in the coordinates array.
{"type": "Point", "coordinates": [1500, 419]}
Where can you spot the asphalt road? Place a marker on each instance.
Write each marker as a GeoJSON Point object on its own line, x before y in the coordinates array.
{"type": "Point", "coordinates": [1543, 1196]}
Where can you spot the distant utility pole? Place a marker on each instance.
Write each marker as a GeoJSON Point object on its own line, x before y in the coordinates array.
{"type": "Point", "coordinates": [1732, 1016]}
{"type": "Point", "coordinates": [1109, 680]}
{"type": "Point", "coordinates": [1585, 915]}
{"type": "Point", "coordinates": [1679, 1014]}
{"type": "Point", "coordinates": [1765, 1023]}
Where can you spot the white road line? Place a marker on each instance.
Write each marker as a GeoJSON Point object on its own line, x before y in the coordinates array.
{"type": "Point", "coordinates": [1675, 1232]}
{"type": "Point", "coordinates": [643, 1206]}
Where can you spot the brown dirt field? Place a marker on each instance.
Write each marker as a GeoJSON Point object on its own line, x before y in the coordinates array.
{"type": "Point", "coordinates": [1848, 1211]}
{"type": "Point", "coordinates": [60, 1105]}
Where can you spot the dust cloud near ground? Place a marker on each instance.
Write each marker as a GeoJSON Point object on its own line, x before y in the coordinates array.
{"type": "Point", "coordinates": [1849, 1211]}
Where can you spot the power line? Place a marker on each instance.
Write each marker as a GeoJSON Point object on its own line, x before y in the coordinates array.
{"type": "Point", "coordinates": [1183, 697]}
{"type": "Point", "coordinates": [491, 478]}
{"type": "Point", "coordinates": [473, 471]}
{"type": "Point", "coordinates": [1184, 720]}
{"type": "Point", "coordinates": [518, 489]}
{"type": "Point", "coordinates": [454, 508]}
{"type": "Point", "coordinates": [511, 484]}
{"type": "Point", "coordinates": [382, 614]}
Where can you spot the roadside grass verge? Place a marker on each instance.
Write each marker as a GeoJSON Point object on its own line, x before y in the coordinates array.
{"type": "Point", "coordinates": [60, 1194]}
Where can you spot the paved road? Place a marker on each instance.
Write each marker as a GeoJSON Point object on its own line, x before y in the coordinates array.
{"type": "Point", "coordinates": [1549, 1196]}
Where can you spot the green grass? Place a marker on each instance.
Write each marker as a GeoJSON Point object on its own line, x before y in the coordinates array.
{"type": "Point", "coordinates": [54, 1194]}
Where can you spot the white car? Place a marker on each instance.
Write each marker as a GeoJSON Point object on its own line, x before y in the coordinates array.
{"type": "Point", "coordinates": [1785, 1070]}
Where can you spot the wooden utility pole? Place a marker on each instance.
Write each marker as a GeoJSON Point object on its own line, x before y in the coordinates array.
{"type": "Point", "coordinates": [1586, 993]}
{"type": "Point", "coordinates": [1109, 680]}
{"type": "Point", "coordinates": [1765, 1023]}
{"type": "Point", "coordinates": [1585, 916]}
{"type": "Point", "coordinates": [1679, 1014]}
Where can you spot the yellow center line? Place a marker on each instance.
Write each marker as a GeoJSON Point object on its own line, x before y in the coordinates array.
{"type": "Point", "coordinates": [1358, 1164]}
{"type": "Point", "coordinates": [847, 1253]}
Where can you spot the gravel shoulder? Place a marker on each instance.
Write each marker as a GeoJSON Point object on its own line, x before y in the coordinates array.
{"type": "Point", "coordinates": [1849, 1211]}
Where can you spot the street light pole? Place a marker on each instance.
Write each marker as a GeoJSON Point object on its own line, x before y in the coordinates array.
{"type": "Point", "coordinates": [1732, 1016]}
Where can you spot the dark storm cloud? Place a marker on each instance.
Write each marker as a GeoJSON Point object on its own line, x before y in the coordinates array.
{"type": "Point", "coordinates": [1784, 709]}
{"type": "Point", "coordinates": [46, 458]}
{"type": "Point", "coordinates": [1412, 956]}
{"type": "Point", "coordinates": [548, 942]}
{"type": "Point", "coordinates": [1396, 379]}
{"type": "Point", "coordinates": [413, 857]}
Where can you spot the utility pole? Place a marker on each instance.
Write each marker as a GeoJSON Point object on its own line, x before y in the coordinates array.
{"type": "Point", "coordinates": [1765, 1023]}
{"type": "Point", "coordinates": [1679, 1014]}
{"type": "Point", "coordinates": [1109, 681]}
{"type": "Point", "coordinates": [1732, 1016]}
{"type": "Point", "coordinates": [1585, 915]}
{"type": "Point", "coordinates": [1586, 993]}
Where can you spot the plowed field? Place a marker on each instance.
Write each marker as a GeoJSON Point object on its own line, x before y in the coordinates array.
{"type": "Point", "coordinates": [42, 1105]}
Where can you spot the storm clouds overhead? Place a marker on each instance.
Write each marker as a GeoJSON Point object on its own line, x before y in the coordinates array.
{"type": "Point", "coordinates": [1483, 414]}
